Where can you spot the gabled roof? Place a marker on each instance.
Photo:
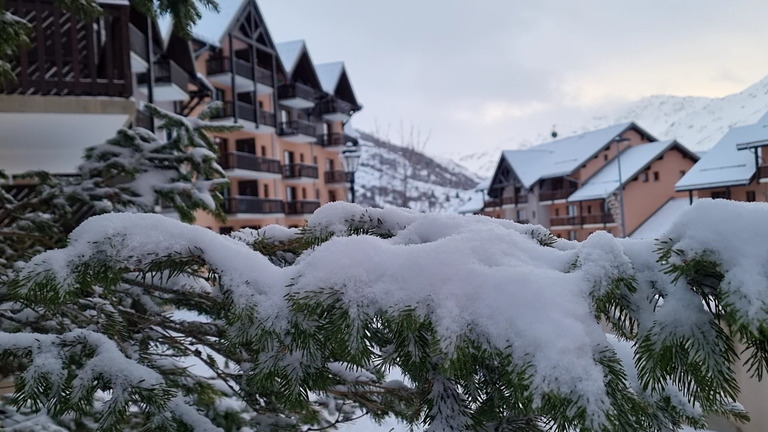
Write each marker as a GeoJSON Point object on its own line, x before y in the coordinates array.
{"type": "Point", "coordinates": [751, 136]}
{"type": "Point", "coordinates": [633, 160]}
{"type": "Point", "coordinates": [563, 156]}
{"type": "Point", "coordinates": [329, 75]}
{"type": "Point", "coordinates": [289, 54]}
{"type": "Point", "coordinates": [212, 26]}
{"type": "Point", "coordinates": [724, 165]}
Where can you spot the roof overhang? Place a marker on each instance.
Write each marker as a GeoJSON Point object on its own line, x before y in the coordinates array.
{"type": "Point", "coordinates": [753, 144]}
{"type": "Point", "coordinates": [713, 185]}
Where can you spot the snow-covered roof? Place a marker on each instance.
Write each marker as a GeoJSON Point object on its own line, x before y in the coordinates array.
{"type": "Point", "coordinates": [289, 53]}
{"type": "Point", "coordinates": [561, 157]}
{"type": "Point", "coordinates": [212, 26]}
{"type": "Point", "coordinates": [329, 75]}
{"type": "Point", "coordinates": [754, 135]}
{"type": "Point", "coordinates": [475, 203]}
{"type": "Point", "coordinates": [657, 225]}
{"type": "Point", "coordinates": [633, 160]}
{"type": "Point", "coordinates": [723, 165]}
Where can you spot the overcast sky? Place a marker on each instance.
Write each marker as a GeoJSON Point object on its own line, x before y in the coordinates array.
{"type": "Point", "coordinates": [478, 74]}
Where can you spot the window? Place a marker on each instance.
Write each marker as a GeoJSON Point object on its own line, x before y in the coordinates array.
{"type": "Point", "coordinates": [301, 157]}
{"type": "Point", "coordinates": [314, 160]}
{"type": "Point", "coordinates": [520, 215]}
{"type": "Point", "coordinates": [605, 156]}
{"type": "Point", "coordinates": [589, 209]}
{"type": "Point", "coordinates": [573, 210]}
{"type": "Point", "coordinates": [317, 194]}
{"type": "Point", "coordinates": [750, 196]}
{"type": "Point", "coordinates": [331, 196]}
{"type": "Point", "coordinates": [655, 176]}
{"type": "Point", "coordinates": [557, 212]}
{"type": "Point", "coordinates": [288, 157]}
{"type": "Point", "coordinates": [644, 177]}
{"type": "Point", "coordinates": [265, 189]}
{"type": "Point", "coordinates": [329, 164]}
{"type": "Point", "coordinates": [573, 235]}
{"type": "Point", "coordinates": [290, 193]}
{"type": "Point", "coordinates": [303, 193]}
{"type": "Point", "coordinates": [264, 151]}
{"type": "Point", "coordinates": [219, 94]}
{"type": "Point", "coordinates": [246, 145]}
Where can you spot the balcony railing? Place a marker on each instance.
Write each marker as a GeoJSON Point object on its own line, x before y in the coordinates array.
{"type": "Point", "coordinates": [590, 219]}
{"type": "Point", "coordinates": [264, 76]}
{"type": "Point", "coordinates": [300, 170]}
{"type": "Point", "coordinates": [143, 120]}
{"type": "Point", "coordinates": [599, 218]}
{"type": "Point", "coordinates": [336, 139]}
{"type": "Point", "coordinates": [250, 162]}
{"type": "Point", "coordinates": [247, 204]}
{"type": "Point", "coordinates": [248, 112]}
{"type": "Point", "coordinates": [297, 127]}
{"type": "Point", "coordinates": [296, 90]}
{"type": "Point", "coordinates": [334, 105]}
{"type": "Point", "coordinates": [762, 171]}
{"type": "Point", "coordinates": [551, 195]}
{"type": "Point", "coordinates": [301, 207]}
{"type": "Point", "coordinates": [166, 72]}
{"type": "Point", "coordinates": [506, 200]}
{"type": "Point", "coordinates": [138, 42]}
{"type": "Point", "coordinates": [242, 68]}
{"type": "Point", "coordinates": [336, 176]}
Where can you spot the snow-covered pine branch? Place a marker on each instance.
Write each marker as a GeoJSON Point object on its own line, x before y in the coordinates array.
{"type": "Point", "coordinates": [494, 324]}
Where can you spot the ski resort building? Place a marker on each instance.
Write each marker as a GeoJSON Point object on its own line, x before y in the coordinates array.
{"type": "Point", "coordinates": [611, 179]}
{"type": "Point", "coordinates": [735, 168]}
{"type": "Point", "coordinates": [83, 80]}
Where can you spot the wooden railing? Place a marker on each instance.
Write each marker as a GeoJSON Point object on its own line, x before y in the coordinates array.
{"type": "Point", "coordinates": [296, 90]}
{"type": "Point", "coordinates": [551, 195]}
{"type": "Point", "coordinates": [250, 162]}
{"type": "Point", "coordinates": [300, 170]}
{"type": "Point", "coordinates": [297, 127]}
{"type": "Point", "coordinates": [301, 207]}
{"type": "Point", "coordinates": [69, 56]}
{"type": "Point", "coordinates": [336, 176]}
{"type": "Point", "coordinates": [336, 139]}
{"type": "Point", "coordinates": [248, 204]}
{"type": "Point", "coordinates": [247, 112]}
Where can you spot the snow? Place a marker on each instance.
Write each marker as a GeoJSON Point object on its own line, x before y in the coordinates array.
{"type": "Point", "coordinates": [329, 75]}
{"type": "Point", "coordinates": [633, 160]}
{"type": "Point", "coordinates": [212, 26]}
{"type": "Point", "coordinates": [560, 157]}
{"type": "Point", "coordinates": [656, 226]}
{"type": "Point", "coordinates": [475, 203]}
{"type": "Point", "coordinates": [289, 54]}
{"type": "Point", "coordinates": [723, 165]}
{"type": "Point", "coordinates": [469, 275]}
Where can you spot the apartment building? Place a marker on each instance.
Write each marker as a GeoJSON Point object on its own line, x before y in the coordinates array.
{"type": "Point", "coordinates": [83, 80]}
{"type": "Point", "coordinates": [735, 168]}
{"type": "Point", "coordinates": [576, 185]}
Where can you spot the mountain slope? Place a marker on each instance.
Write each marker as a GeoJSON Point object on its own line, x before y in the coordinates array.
{"type": "Point", "coordinates": [697, 122]}
{"type": "Point", "coordinates": [395, 175]}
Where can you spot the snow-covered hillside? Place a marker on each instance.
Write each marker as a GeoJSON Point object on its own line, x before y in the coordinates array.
{"type": "Point", "coordinates": [393, 175]}
{"type": "Point", "coordinates": [697, 122]}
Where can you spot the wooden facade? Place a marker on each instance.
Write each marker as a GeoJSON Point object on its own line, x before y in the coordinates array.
{"type": "Point", "coordinates": [70, 56]}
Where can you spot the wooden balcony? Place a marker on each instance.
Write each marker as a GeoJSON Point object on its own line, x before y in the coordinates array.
{"type": "Point", "coordinates": [557, 194]}
{"type": "Point", "coordinates": [336, 176]}
{"type": "Point", "coordinates": [506, 200]}
{"type": "Point", "coordinates": [301, 207]}
{"type": "Point", "coordinates": [762, 172]}
{"type": "Point", "coordinates": [253, 205]}
{"type": "Point", "coordinates": [299, 131]}
{"type": "Point", "coordinates": [590, 219]}
{"type": "Point", "coordinates": [335, 109]}
{"type": "Point", "coordinates": [336, 141]}
{"type": "Point", "coordinates": [246, 75]}
{"type": "Point", "coordinates": [244, 111]}
{"type": "Point", "coordinates": [171, 81]}
{"type": "Point", "coordinates": [70, 56]}
{"type": "Point", "coordinates": [248, 165]}
{"type": "Point", "coordinates": [300, 171]}
{"type": "Point", "coordinates": [297, 95]}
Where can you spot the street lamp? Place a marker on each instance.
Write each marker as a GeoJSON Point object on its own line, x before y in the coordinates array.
{"type": "Point", "coordinates": [618, 140]}
{"type": "Point", "coordinates": [351, 158]}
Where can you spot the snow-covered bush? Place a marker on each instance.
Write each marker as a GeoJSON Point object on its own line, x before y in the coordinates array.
{"type": "Point", "coordinates": [495, 325]}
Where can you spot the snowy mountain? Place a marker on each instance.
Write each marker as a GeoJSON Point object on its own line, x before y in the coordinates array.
{"type": "Point", "coordinates": [395, 175]}
{"type": "Point", "coordinates": [697, 122]}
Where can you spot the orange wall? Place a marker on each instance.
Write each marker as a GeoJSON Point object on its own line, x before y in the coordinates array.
{"type": "Point", "coordinates": [605, 156]}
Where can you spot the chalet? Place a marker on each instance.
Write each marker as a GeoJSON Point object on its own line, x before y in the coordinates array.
{"type": "Point", "coordinates": [572, 185]}
{"type": "Point", "coordinates": [734, 168]}
{"type": "Point", "coordinates": [83, 80]}
{"type": "Point", "coordinates": [286, 161]}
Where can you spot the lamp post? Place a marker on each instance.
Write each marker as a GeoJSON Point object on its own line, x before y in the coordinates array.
{"type": "Point", "coordinates": [618, 140]}
{"type": "Point", "coordinates": [351, 157]}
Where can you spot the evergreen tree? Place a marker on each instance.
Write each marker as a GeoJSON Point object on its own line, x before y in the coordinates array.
{"type": "Point", "coordinates": [495, 325]}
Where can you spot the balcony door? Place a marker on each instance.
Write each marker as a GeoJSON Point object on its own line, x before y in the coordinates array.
{"type": "Point", "coordinates": [249, 188]}
{"type": "Point", "coordinates": [288, 157]}
{"type": "Point", "coordinates": [290, 193]}
{"type": "Point", "coordinates": [247, 145]}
